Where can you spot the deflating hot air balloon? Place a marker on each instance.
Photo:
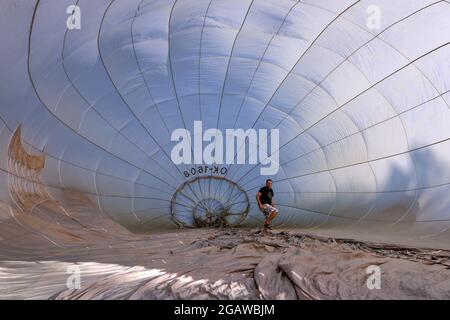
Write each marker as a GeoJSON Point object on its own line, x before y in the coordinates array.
{"type": "Point", "coordinates": [169, 114]}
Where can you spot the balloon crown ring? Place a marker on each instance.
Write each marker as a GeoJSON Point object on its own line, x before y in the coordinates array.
{"type": "Point", "coordinates": [209, 201]}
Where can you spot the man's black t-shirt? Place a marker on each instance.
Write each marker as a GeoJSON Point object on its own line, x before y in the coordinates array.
{"type": "Point", "coordinates": [266, 195]}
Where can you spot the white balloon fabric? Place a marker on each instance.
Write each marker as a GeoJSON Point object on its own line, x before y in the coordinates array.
{"type": "Point", "coordinates": [91, 92]}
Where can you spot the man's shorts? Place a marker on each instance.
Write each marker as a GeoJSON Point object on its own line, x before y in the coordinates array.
{"type": "Point", "coordinates": [268, 209]}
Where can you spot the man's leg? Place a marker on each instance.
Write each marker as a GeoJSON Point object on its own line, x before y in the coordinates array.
{"type": "Point", "coordinates": [271, 216]}
{"type": "Point", "coordinates": [266, 215]}
{"type": "Point", "coordinates": [272, 213]}
{"type": "Point", "coordinates": [266, 221]}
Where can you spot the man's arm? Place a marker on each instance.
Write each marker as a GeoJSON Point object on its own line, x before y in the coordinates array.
{"type": "Point", "coordinates": [258, 196]}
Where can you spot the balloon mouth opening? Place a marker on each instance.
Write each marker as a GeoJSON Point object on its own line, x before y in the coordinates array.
{"type": "Point", "coordinates": [209, 201]}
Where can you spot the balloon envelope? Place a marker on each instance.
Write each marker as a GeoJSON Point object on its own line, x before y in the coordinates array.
{"type": "Point", "coordinates": [90, 96]}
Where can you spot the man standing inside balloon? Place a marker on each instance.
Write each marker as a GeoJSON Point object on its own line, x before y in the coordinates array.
{"type": "Point", "coordinates": [266, 204]}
